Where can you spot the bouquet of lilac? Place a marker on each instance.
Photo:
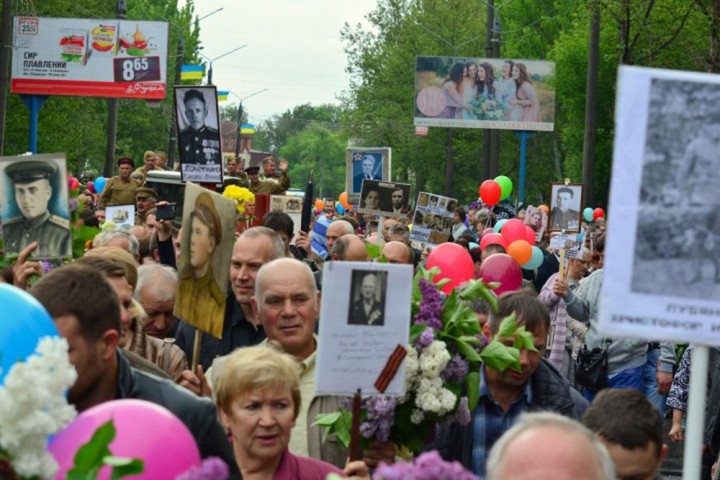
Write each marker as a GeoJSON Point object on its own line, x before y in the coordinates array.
{"type": "Point", "coordinates": [428, 466]}
{"type": "Point", "coordinates": [442, 371]}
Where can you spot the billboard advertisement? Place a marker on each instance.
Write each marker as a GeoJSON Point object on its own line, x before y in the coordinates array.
{"type": "Point", "coordinates": [89, 57]}
{"type": "Point", "coordinates": [484, 93]}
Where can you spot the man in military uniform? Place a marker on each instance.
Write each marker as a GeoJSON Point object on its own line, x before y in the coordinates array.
{"type": "Point", "coordinates": [120, 189]}
{"type": "Point", "coordinates": [199, 143]}
{"type": "Point", "coordinates": [32, 192]}
{"type": "Point", "coordinates": [563, 216]}
{"type": "Point", "coordinates": [148, 164]}
{"type": "Point", "coordinates": [145, 199]}
{"type": "Point", "coordinates": [269, 186]}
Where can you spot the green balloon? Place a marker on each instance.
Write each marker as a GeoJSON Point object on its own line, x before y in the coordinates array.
{"type": "Point", "coordinates": [505, 186]}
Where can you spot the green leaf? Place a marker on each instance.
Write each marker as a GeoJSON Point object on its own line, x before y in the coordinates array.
{"type": "Point", "coordinates": [373, 250]}
{"type": "Point", "coordinates": [468, 351]}
{"type": "Point", "coordinates": [124, 467]}
{"type": "Point", "coordinates": [489, 296]}
{"type": "Point", "coordinates": [449, 309]}
{"type": "Point", "coordinates": [326, 419]}
{"type": "Point", "coordinates": [500, 357]}
{"type": "Point", "coordinates": [508, 326]}
{"type": "Point", "coordinates": [415, 331]}
{"type": "Point", "coordinates": [473, 290]}
{"type": "Point", "coordinates": [343, 427]}
{"type": "Point", "coordinates": [472, 339]}
{"type": "Point", "coordinates": [90, 455]}
{"type": "Point", "coordinates": [527, 339]}
{"type": "Point", "coordinates": [472, 385]}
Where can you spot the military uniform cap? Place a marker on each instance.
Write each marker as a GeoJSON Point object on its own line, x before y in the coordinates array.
{"type": "Point", "coordinates": [145, 192]}
{"type": "Point", "coordinates": [252, 169]}
{"type": "Point", "coordinates": [26, 171]}
{"type": "Point", "coordinates": [126, 161]}
{"type": "Point", "coordinates": [205, 209]}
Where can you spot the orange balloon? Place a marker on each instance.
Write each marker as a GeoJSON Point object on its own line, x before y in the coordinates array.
{"type": "Point", "coordinates": [520, 250]}
{"type": "Point", "coordinates": [544, 208]}
{"type": "Point", "coordinates": [319, 204]}
{"type": "Point", "coordinates": [343, 200]}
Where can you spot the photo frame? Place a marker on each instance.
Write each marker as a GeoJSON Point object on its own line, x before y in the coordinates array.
{"type": "Point", "coordinates": [198, 126]}
{"type": "Point", "coordinates": [365, 164]}
{"type": "Point", "coordinates": [384, 198]}
{"type": "Point", "coordinates": [565, 207]}
{"type": "Point", "coordinates": [537, 220]}
{"type": "Point", "coordinates": [432, 220]}
{"type": "Point", "coordinates": [121, 215]}
{"type": "Point", "coordinates": [43, 180]}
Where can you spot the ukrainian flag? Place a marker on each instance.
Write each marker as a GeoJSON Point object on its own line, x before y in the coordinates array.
{"type": "Point", "coordinates": [191, 72]}
{"type": "Point", "coordinates": [222, 95]}
{"type": "Point", "coordinates": [247, 128]}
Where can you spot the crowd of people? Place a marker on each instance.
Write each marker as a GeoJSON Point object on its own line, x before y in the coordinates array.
{"type": "Point", "coordinates": [255, 380]}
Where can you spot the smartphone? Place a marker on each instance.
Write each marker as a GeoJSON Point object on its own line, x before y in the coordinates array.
{"type": "Point", "coordinates": [165, 212]}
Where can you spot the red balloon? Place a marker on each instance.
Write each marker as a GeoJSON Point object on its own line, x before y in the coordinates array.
{"type": "Point", "coordinates": [503, 269]}
{"type": "Point", "coordinates": [91, 186]}
{"type": "Point", "coordinates": [598, 213]}
{"type": "Point", "coordinates": [454, 262]}
{"type": "Point", "coordinates": [490, 192]}
{"type": "Point", "coordinates": [492, 238]}
{"type": "Point", "coordinates": [512, 230]}
{"type": "Point", "coordinates": [529, 235]}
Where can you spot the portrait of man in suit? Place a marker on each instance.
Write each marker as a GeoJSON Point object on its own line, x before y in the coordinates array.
{"type": "Point", "coordinates": [368, 302]}
{"type": "Point", "coordinates": [565, 207]}
{"type": "Point", "coordinates": [366, 166]}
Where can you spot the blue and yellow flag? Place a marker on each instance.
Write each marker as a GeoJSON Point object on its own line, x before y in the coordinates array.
{"type": "Point", "coordinates": [191, 72]}
{"type": "Point", "coordinates": [247, 128]}
{"type": "Point", "coordinates": [222, 95]}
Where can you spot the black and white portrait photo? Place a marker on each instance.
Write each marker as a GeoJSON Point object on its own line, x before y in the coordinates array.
{"type": "Point", "coordinates": [565, 206]}
{"type": "Point", "coordinates": [34, 205]}
{"type": "Point", "coordinates": [365, 164]}
{"type": "Point", "coordinates": [384, 198]}
{"type": "Point", "coordinates": [367, 303]}
{"type": "Point", "coordinates": [199, 133]}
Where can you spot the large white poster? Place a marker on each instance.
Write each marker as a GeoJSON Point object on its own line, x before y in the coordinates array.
{"type": "Point", "coordinates": [662, 262]}
{"type": "Point", "coordinates": [90, 57]}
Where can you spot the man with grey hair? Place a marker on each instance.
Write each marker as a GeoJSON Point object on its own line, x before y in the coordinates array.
{"type": "Point", "coordinates": [337, 229]}
{"type": "Point", "coordinates": [118, 238]}
{"type": "Point", "coordinates": [349, 248]}
{"type": "Point", "coordinates": [254, 248]}
{"type": "Point", "coordinates": [156, 291]}
{"type": "Point", "coordinates": [548, 446]}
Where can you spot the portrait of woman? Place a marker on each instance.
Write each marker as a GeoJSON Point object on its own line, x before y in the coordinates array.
{"type": "Point", "coordinates": [506, 87]}
{"type": "Point", "coordinates": [525, 108]}
{"type": "Point", "coordinates": [469, 89]}
{"type": "Point", "coordinates": [487, 85]}
{"type": "Point", "coordinates": [201, 302]}
{"type": "Point", "coordinates": [371, 198]}
{"type": "Point", "coordinates": [258, 399]}
{"type": "Point", "coordinates": [452, 86]}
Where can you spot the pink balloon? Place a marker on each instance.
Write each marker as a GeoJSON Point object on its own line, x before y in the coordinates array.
{"type": "Point", "coordinates": [454, 262]}
{"type": "Point", "coordinates": [503, 269]}
{"type": "Point", "coordinates": [512, 230]}
{"type": "Point", "coordinates": [486, 231]}
{"type": "Point", "coordinates": [492, 238]}
{"type": "Point", "coordinates": [91, 186]}
{"type": "Point", "coordinates": [529, 235]}
{"type": "Point", "coordinates": [143, 430]}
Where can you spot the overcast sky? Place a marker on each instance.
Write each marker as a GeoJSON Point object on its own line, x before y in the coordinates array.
{"type": "Point", "coordinates": [293, 49]}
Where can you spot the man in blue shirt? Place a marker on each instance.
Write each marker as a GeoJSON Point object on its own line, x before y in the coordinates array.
{"type": "Point", "coordinates": [505, 395]}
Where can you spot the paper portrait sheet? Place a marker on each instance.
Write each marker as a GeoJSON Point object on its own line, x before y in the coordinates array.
{"type": "Point", "coordinates": [121, 215]}
{"type": "Point", "coordinates": [661, 278]}
{"type": "Point", "coordinates": [432, 220]}
{"type": "Point", "coordinates": [378, 198]}
{"type": "Point", "coordinates": [207, 241]}
{"type": "Point", "coordinates": [360, 331]}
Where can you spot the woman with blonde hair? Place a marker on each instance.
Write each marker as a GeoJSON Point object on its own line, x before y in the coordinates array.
{"type": "Point", "coordinates": [258, 399]}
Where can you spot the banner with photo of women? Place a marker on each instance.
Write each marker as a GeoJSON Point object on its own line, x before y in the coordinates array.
{"type": "Point", "coordinates": [433, 218]}
{"type": "Point", "coordinates": [493, 93]}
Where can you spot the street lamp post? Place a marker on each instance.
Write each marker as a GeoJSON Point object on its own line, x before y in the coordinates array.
{"type": "Point", "coordinates": [211, 60]}
{"type": "Point", "coordinates": [239, 117]}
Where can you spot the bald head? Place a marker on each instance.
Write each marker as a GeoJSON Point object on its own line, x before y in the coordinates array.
{"type": "Point", "coordinates": [398, 252]}
{"type": "Point", "coordinates": [288, 268]}
{"type": "Point", "coordinates": [349, 248]}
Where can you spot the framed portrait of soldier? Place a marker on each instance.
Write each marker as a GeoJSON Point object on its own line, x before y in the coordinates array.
{"type": "Point", "coordinates": [367, 306]}
{"type": "Point", "coordinates": [565, 206]}
{"type": "Point", "coordinates": [365, 164]}
{"type": "Point", "coordinates": [206, 248]}
{"type": "Point", "coordinates": [199, 141]}
{"type": "Point", "coordinates": [34, 205]}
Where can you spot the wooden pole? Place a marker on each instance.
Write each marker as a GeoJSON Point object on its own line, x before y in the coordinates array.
{"type": "Point", "coordinates": [196, 350]}
{"type": "Point", "coordinates": [355, 453]}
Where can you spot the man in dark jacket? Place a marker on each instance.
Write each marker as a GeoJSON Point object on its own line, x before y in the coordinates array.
{"type": "Point", "coordinates": [92, 330]}
{"type": "Point", "coordinates": [504, 396]}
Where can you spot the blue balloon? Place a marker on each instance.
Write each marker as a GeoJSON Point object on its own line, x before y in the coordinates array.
{"type": "Point", "coordinates": [499, 225]}
{"type": "Point", "coordinates": [535, 261]}
{"type": "Point", "coordinates": [472, 245]}
{"type": "Point", "coordinates": [339, 208]}
{"type": "Point", "coordinates": [100, 184]}
{"type": "Point", "coordinates": [588, 214]}
{"type": "Point", "coordinates": [24, 322]}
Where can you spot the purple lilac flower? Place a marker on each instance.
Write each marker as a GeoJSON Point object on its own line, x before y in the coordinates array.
{"type": "Point", "coordinates": [379, 418]}
{"type": "Point", "coordinates": [47, 266]}
{"type": "Point", "coordinates": [463, 412]}
{"type": "Point", "coordinates": [483, 343]}
{"type": "Point", "coordinates": [212, 468]}
{"type": "Point", "coordinates": [425, 338]}
{"type": "Point", "coordinates": [431, 305]}
{"type": "Point", "coordinates": [428, 466]}
{"type": "Point", "coordinates": [74, 204]}
{"type": "Point", "coordinates": [455, 370]}
{"type": "Point", "coordinates": [397, 471]}
{"type": "Point", "coordinates": [474, 205]}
